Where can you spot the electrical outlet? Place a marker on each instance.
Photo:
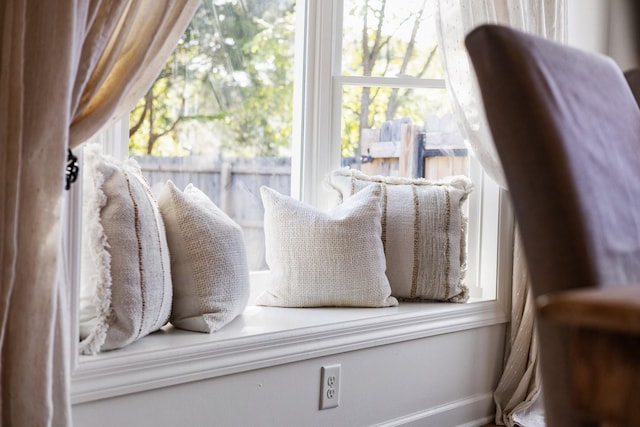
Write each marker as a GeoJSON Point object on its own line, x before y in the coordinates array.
{"type": "Point", "coordinates": [330, 387]}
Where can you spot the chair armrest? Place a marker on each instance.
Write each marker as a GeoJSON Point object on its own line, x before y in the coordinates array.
{"type": "Point", "coordinates": [614, 309]}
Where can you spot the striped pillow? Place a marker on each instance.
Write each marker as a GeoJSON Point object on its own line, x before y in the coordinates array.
{"type": "Point", "coordinates": [423, 232]}
{"type": "Point", "coordinates": [126, 280]}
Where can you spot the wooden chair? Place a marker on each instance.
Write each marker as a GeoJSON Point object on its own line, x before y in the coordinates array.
{"type": "Point", "coordinates": [567, 130]}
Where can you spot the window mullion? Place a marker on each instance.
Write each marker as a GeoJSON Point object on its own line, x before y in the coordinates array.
{"type": "Point", "coordinates": [317, 159]}
{"type": "Point", "coordinates": [394, 82]}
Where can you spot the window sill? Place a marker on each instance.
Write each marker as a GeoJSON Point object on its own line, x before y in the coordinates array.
{"type": "Point", "coordinates": [264, 337]}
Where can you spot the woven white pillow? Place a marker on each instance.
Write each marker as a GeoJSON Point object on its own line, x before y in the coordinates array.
{"type": "Point", "coordinates": [208, 260]}
{"type": "Point", "coordinates": [126, 280]}
{"type": "Point", "coordinates": [325, 259]}
{"type": "Point", "coordinates": [423, 231]}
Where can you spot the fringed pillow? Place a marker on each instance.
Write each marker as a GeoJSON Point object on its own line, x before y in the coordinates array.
{"type": "Point", "coordinates": [126, 280]}
{"type": "Point", "coordinates": [424, 230]}
{"type": "Point", "coordinates": [325, 259]}
{"type": "Point", "coordinates": [208, 260]}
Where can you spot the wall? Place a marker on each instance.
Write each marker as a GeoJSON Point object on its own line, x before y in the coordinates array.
{"type": "Point", "coordinates": [443, 380]}
{"type": "Point", "coordinates": [604, 26]}
{"type": "Point", "coordinates": [588, 24]}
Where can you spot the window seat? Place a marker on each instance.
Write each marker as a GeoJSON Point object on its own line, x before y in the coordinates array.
{"type": "Point", "coordinates": [267, 336]}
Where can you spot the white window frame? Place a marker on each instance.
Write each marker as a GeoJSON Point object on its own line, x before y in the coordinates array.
{"type": "Point", "coordinates": [186, 357]}
{"type": "Point", "coordinates": [318, 121]}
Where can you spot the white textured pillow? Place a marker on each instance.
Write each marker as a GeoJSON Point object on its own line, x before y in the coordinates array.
{"type": "Point", "coordinates": [423, 231]}
{"type": "Point", "coordinates": [208, 260]}
{"type": "Point", "coordinates": [325, 259]}
{"type": "Point", "coordinates": [126, 279]}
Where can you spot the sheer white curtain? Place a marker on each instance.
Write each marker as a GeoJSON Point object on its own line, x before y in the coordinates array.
{"type": "Point", "coordinates": [67, 68]}
{"type": "Point", "coordinates": [518, 395]}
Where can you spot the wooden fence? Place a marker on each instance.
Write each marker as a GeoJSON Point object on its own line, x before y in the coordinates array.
{"type": "Point", "coordinates": [399, 149]}
{"type": "Point", "coordinates": [234, 187]}
{"type": "Point", "coordinates": [403, 149]}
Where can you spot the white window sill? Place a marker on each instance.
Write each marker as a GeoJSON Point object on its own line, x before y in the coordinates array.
{"type": "Point", "coordinates": [267, 336]}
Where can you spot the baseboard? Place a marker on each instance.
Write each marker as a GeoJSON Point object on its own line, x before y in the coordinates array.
{"type": "Point", "coordinates": [473, 411]}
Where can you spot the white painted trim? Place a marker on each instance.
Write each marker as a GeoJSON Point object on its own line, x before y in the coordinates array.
{"type": "Point", "coordinates": [400, 82]}
{"type": "Point", "coordinates": [186, 357]}
{"type": "Point", "coordinates": [504, 253]}
{"type": "Point", "coordinates": [482, 421]}
{"type": "Point", "coordinates": [73, 243]}
{"type": "Point", "coordinates": [115, 139]}
{"type": "Point", "coordinates": [317, 157]}
{"type": "Point", "coordinates": [300, 90]}
{"type": "Point", "coordinates": [490, 224]}
{"type": "Point", "coordinates": [474, 231]}
{"type": "Point", "coordinates": [433, 416]}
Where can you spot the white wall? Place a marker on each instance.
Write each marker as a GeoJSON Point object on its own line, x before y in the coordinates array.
{"type": "Point", "coordinates": [588, 24]}
{"type": "Point", "coordinates": [441, 381]}
{"type": "Point", "coordinates": [604, 26]}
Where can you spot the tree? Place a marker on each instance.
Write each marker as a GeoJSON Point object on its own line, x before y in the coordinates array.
{"type": "Point", "coordinates": [228, 86]}
{"type": "Point", "coordinates": [153, 119]}
{"type": "Point", "coordinates": [383, 52]}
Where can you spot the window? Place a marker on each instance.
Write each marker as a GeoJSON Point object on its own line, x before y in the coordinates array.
{"type": "Point", "coordinates": [331, 109]}
{"type": "Point", "coordinates": [223, 114]}
{"type": "Point", "coordinates": [246, 80]}
{"type": "Point", "coordinates": [220, 113]}
{"type": "Point", "coordinates": [389, 74]}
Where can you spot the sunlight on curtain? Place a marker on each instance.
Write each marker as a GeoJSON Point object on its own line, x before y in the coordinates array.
{"type": "Point", "coordinates": [519, 390]}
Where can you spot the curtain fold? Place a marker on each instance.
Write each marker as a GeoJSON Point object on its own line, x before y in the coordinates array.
{"type": "Point", "coordinates": [129, 61]}
{"type": "Point", "coordinates": [456, 18]}
{"type": "Point", "coordinates": [519, 389]}
{"type": "Point", "coordinates": [67, 70]}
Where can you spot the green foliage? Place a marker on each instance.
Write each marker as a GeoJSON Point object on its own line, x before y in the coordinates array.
{"type": "Point", "coordinates": [227, 88]}
{"type": "Point", "coordinates": [263, 120]}
{"type": "Point", "coordinates": [383, 39]}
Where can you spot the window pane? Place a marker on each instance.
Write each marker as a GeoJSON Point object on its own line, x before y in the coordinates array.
{"type": "Point", "coordinates": [400, 40]}
{"type": "Point", "coordinates": [401, 132]}
{"type": "Point", "coordinates": [220, 113]}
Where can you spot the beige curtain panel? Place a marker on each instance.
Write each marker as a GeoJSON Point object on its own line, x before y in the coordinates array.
{"type": "Point", "coordinates": [518, 395]}
{"type": "Point", "coordinates": [68, 68]}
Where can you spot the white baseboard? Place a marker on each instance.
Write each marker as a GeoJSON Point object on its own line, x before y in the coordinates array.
{"type": "Point", "coordinates": [477, 408]}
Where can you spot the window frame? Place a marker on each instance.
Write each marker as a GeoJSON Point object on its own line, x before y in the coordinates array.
{"type": "Point", "coordinates": [315, 88]}
{"type": "Point", "coordinates": [317, 118]}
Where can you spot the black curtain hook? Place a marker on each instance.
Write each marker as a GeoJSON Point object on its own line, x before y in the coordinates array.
{"type": "Point", "coordinates": [72, 169]}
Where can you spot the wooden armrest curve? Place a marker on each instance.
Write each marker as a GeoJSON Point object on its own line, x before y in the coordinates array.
{"type": "Point", "coordinates": [614, 309]}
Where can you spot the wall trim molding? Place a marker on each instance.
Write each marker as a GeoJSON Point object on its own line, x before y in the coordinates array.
{"type": "Point", "coordinates": [175, 357]}
{"type": "Point", "coordinates": [450, 413]}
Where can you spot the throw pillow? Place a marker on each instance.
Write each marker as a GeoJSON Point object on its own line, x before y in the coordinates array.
{"type": "Point", "coordinates": [325, 259]}
{"type": "Point", "coordinates": [423, 231]}
{"type": "Point", "coordinates": [208, 260]}
{"type": "Point", "coordinates": [126, 280]}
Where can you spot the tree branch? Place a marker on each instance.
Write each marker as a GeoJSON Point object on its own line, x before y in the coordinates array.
{"type": "Point", "coordinates": [429, 59]}
{"type": "Point", "coordinates": [180, 118]}
{"type": "Point", "coordinates": [366, 59]}
{"type": "Point", "coordinates": [148, 99]}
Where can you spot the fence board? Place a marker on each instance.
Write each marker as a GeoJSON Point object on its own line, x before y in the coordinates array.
{"type": "Point", "coordinates": [413, 152]}
{"type": "Point", "coordinates": [234, 186]}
